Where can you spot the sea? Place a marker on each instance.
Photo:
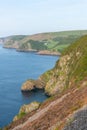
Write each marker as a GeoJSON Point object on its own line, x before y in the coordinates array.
{"type": "Point", "coordinates": [15, 68]}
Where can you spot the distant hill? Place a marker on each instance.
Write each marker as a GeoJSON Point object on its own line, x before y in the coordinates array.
{"type": "Point", "coordinates": [66, 83]}
{"type": "Point", "coordinates": [54, 41]}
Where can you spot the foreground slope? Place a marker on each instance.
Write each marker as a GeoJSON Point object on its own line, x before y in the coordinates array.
{"type": "Point", "coordinates": [67, 109]}
{"type": "Point", "coordinates": [55, 41]}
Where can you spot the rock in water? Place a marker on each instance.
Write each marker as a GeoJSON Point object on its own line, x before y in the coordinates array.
{"type": "Point", "coordinates": [32, 84]}
{"type": "Point", "coordinates": [28, 85]}
{"type": "Point", "coordinates": [26, 109]}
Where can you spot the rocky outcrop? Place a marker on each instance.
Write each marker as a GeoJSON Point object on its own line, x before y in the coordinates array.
{"type": "Point", "coordinates": [46, 52]}
{"type": "Point", "coordinates": [28, 85]}
{"type": "Point", "coordinates": [59, 77]}
{"type": "Point", "coordinates": [33, 84]}
{"type": "Point", "coordinates": [54, 113]}
{"type": "Point", "coordinates": [27, 109]}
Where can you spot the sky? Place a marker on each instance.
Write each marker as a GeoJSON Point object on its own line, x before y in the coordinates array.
{"type": "Point", "coordinates": [26, 17]}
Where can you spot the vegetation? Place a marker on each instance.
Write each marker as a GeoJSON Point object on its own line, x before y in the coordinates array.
{"type": "Point", "coordinates": [37, 45]}
{"type": "Point", "coordinates": [20, 115]}
{"type": "Point", "coordinates": [67, 81]}
{"type": "Point", "coordinates": [17, 37]}
{"type": "Point", "coordinates": [71, 69]}
{"type": "Point", "coordinates": [46, 76]}
{"type": "Point", "coordinates": [56, 41]}
{"type": "Point", "coordinates": [79, 52]}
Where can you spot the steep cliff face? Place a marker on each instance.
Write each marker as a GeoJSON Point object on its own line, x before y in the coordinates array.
{"type": "Point", "coordinates": [67, 81]}
{"type": "Point", "coordinates": [12, 41]}
{"type": "Point", "coordinates": [70, 69]}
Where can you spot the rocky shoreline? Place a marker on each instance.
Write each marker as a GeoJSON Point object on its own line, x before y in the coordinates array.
{"type": "Point", "coordinates": [41, 52]}
{"type": "Point", "coordinates": [29, 50]}
{"type": "Point", "coordinates": [46, 52]}
{"type": "Point", "coordinates": [32, 84]}
{"type": "Point", "coordinates": [26, 109]}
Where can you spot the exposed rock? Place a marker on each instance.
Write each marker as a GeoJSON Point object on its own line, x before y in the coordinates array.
{"type": "Point", "coordinates": [32, 84]}
{"type": "Point", "coordinates": [60, 77]}
{"type": "Point", "coordinates": [27, 109]}
{"type": "Point", "coordinates": [65, 71]}
{"type": "Point", "coordinates": [51, 115]}
{"type": "Point", "coordinates": [40, 84]}
{"type": "Point", "coordinates": [46, 52]}
{"type": "Point", "coordinates": [28, 85]}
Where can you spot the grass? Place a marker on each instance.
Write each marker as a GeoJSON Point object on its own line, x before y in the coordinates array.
{"type": "Point", "coordinates": [74, 69]}
{"type": "Point", "coordinates": [79, 65]}
{"type": "Point", "coordinates": [56, 41]}
{"type": "Point", "coordinates": [51, 44]}
{"type": "Point", "coordinates": [17, 37]}
{"type": "Point", "coordinates": [20, 115]}
{"type": "Point", "coordinates": [60, 48]}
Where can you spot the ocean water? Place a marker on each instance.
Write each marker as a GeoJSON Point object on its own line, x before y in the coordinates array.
{"type": "Point", "coordinates": [16, 68]}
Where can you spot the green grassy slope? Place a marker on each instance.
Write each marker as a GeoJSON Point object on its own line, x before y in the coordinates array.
{"type": "Point", "coordinates": [55, 41]}
{"type": "Point", "coordinates": [71, 69]}
{"type": "Point", "coordinates": [13, 41]}
{"type": "Point", "coordinates": [79, 51]}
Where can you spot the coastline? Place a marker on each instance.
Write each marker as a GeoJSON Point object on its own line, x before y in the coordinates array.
{"type": "Point", "coordinates": [47, 52]}
{"type": "Point", "coordinates": [40, 52]}
{"type": "Point", "coordinates": [20, 67]}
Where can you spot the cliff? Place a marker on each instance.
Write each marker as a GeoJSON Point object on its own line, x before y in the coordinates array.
{"type": "Point", "coordinates": [70, 69]}
{"type": "Point", "coordinates": [66, 83]}
{"type": "Point", "coordinates": [13, 41]}
{"type": "Point", "coordinates": [54, 42]}
{"type": "Point", "coordinates": [66, 70]}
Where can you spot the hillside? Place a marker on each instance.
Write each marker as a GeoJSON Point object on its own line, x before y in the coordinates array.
{"type": "Point", "coordinates": [12, 41]}
{"type": "Point", "coordinates": [67, 81]}
{"type": "Point", "coordinates": [55, 41]}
